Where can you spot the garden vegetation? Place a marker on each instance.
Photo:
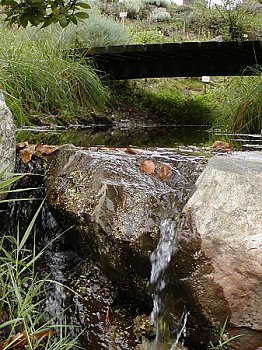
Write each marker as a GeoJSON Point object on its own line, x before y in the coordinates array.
{"type": "Point", "coordinates": [23, 292]}
{"type": "Point", "coordinates": [43, 83]}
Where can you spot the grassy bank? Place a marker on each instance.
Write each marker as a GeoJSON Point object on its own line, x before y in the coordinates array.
{"type": "Point", "coordinates": [44, 85]}
{"type": "Point", "coordinates": [41, 83]}
{"type": "Point", "coordinates": [162, 101]}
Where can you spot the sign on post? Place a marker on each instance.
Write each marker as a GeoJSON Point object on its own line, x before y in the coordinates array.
{"type": "Point", "coordinates": [205, 79]}
{"type": "Point", "coordinates": [122, 15]}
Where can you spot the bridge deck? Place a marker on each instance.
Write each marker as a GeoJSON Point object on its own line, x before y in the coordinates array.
{"type": "Point", "coordinates": [186, 59]}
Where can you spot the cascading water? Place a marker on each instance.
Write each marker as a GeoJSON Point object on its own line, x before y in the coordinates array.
{"type": "Point", "coordinates": [160, 278]}
{"type": "Point", "coordinates": [59, 263]}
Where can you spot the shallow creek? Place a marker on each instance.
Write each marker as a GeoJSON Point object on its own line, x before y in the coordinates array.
{"type": "Point", "coordinates": [98, 311]}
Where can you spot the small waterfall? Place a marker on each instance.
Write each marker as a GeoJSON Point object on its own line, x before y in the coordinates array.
{"type": "Point", "coordinates": [59, 262]}
{"type": "Point", "coordinates": [160, 279]}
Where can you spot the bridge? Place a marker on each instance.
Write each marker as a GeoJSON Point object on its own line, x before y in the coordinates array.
{"type": "Point", "coordinates": [187, 59]}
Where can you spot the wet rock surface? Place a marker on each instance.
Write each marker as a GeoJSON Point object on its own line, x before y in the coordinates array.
{"type": "Point", "coordinates": [118, 203]}
{"type": "Point", "coordinates": [7, 138]}
{"type": "Point", "coordinates": [97, 310]}
{"type": "Point", "coordinates": [116, 208]}
{"type": "Point", "coordinates": [218, 262]}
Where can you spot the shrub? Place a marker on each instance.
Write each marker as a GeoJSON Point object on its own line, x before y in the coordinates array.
{"type": "Point", "coordinates": [236, 19]}
{"type": "Point", "coordinates": [160, 15]}
{"type": "Point", "coordinates": [143, 35]}
{"type": "Point", "coordinates": [133, 7]}
{"type": "Point", "coordinates": [98, 30]}
{"type": "Point", "coordinates": [109, 8]}
{"type": "Point", "coordinates": [159, 3]}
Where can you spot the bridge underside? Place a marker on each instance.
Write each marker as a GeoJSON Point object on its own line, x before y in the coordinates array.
{"type": "Point", "coordinates": [188, 59]}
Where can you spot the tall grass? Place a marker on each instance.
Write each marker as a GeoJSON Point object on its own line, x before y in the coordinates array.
{"type": "Point", "coordinates": [21, 294]}
{"type": "Point", "coordinates": [240, 103]}
{"type": "Point", "coordinates": [39, 78]}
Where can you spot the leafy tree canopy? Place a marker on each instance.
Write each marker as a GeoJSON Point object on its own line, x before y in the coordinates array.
{"type": "Point", "coordinates": [44, 12]}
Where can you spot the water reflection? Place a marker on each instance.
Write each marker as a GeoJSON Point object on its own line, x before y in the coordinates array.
{"type": "Point", "coordinates": [152, 136]}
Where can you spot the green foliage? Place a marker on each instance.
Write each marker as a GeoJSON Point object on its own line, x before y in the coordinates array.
{"type": "Point", "coordinates": [162, 101]}
{"type": "Point", "coordinates": [43, 12]}
{"type": "Point", "coordinates": [145, 35]}
{"type": "Point", "coordinates": [98, 31]}
{"type": "Point", "coordinates": [224, 339]}
{"type": "Point", "coordinates": [160, 15]}
{"type": "Point", "coordinates": [39, 78]}
{"type": "Point", "coordinates": [240, 106]}
{"type": "Point", "coordinates": [230, 20]}
{"type": "Point", "coordinates": [110, 8]}
{"type": "Point", "coordinates": [236, 19]}
{"type": "Point", "coordinates": [133, 7]}
{"type": "Point", "coordinates": [159, 3]}
{"type": "Point", "coordinates": [21, 294]}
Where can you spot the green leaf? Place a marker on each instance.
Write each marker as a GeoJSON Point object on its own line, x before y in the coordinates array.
{"type": "Point", "coordinates": [48, 21]}
{"type": "Point", "coordinates": [73, 19]}
{"type": "Point", "coordinates": [84, 5]}
{"type": "Point", "coordinates": [8, 2]}
{"type": "Point", "coordinates": [82, 15]}
{"type": "Point", "coordinates": [63, 21]}
{"type": "Point", "coordinates": [24, 22]}
{"type": "Point", "coordinates": [29, 228]}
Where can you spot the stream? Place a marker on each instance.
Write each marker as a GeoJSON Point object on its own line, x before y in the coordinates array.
{"type": "Point", "coordinates": [98, 313]}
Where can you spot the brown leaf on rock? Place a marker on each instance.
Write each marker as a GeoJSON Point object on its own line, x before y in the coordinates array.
{"type": "Point", "coordinates": [46, 149]}
{"type": "Point", "coordinates": [165, 171]}
{"type": "Point", "coordinates": [26, 153]}
{"type": "Point", "coordinates": [222, 145]}
{"type": "Point", "coordinates": [147, 166]}
{"type": "Point", "coordinates": [22, 145]}
{"type": "Point", "coordinates": [129, 150]}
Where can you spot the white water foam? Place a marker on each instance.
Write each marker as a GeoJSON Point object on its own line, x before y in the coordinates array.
{"type": "Point", "coordinates": [159, 279]}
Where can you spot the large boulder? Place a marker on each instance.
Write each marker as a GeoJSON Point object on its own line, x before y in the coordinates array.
{"type": "Point", "coordinates": [119, 205]}
{"type": "Point", "coordinates": [115, 202]}
{"type": "Point", "coordinates": [7, 139]}
{"type": "Point", "coordinates": [218, 258]}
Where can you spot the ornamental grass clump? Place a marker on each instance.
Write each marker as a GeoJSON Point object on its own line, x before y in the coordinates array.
{"type": "Point", "coordinates": [39, 78]}
{"type": "Point", "coordinates": [240, 104]}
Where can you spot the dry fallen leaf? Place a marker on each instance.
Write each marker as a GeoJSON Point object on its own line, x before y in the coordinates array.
{"type": "Point", "coordinates": [107, 320]}
{"type": "Point", "coordinates": [21, 145]}
{"type": "Point", "coordinates": [147, 166]}
{"type": "Point", "coordinates": [129, 150]}
{"type": "Point", "coordinates": [165, 171]}
{"type": "Point", "coordinates": [20, 339]}
{"type": "Point", "coordinates": [26, 153]}
{"type": "Point", "coordinates": [221, 145]}
{"type": "Point", "coordinates": [46, 149]}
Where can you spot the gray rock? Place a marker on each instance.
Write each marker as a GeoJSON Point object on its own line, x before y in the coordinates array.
{"type": "Point", "coordinates": [116, 208]}
{"type": "Point", "coordinates": [7, 139]}
{"type": "Point", "coordinates": [220, 248]}
{"type": "Point", "coordinates": [116, 211]}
